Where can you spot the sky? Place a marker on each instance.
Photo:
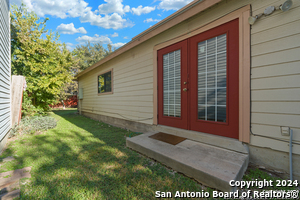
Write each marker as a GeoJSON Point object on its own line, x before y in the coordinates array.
{"type": "Point", "coordinates": [112, 22]}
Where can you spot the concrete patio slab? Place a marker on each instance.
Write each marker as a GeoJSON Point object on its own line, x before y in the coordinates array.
{"type": "Point", "coordinates": [210, 165]}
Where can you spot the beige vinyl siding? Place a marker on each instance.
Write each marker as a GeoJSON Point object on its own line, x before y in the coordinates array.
{"type": "Point", "coordinates": [132, 97]}
{"type": "Point", "coordinates": [272, 130]}
{"type": "Point", "coordinates": [275, 76]}
{"type": "Point", "coordinates": [276, 33]}
{"type": "Point", "coordinates": [275, 145]}
{"type": "Point", "coordinates": [282, 95]}
{"type": "Point", "coordinates": [275, 72]}
{"type": "Point", "coordinates": [276, 57]}
{"type": "Point", "coordinates": [277, 82]}
{"type": "Point", "coordinates": [290, 108]}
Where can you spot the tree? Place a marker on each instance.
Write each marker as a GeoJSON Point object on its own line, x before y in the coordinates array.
{"type": "Point", "coordinates": [37, 54]}
{"type": "Point", "coordinates": [87, 55]}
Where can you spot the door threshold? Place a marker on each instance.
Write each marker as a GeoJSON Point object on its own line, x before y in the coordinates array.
{"type": "Point", "coordinates": [214, 140]}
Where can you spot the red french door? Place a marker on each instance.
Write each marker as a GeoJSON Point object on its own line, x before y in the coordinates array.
{"type": "Point", "coordinates": [208, 82]}
{"type": "Point", "coordinates": [172, 77]}
{"type": "Point", "coordinates": [214, 82]}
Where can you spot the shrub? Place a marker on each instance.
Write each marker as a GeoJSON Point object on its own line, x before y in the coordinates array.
{"type": "Point", "coordinates": [31, 125]}
{"type": "Point", "coordinates": [28, 109]}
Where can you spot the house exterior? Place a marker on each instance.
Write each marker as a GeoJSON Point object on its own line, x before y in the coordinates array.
{"type": "Point", "coordinates": [5, 73]}
{"type": "Point", "coordinates": [207, 70]}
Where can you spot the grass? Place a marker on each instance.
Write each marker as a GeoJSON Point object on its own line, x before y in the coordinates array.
{"type": "Point", "coordinates": [86, 159]}
{"type": "Point", "coordinates": [259, 175]}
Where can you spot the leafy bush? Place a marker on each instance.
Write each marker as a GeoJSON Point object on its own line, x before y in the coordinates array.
{"type": "Point", "coordinates": [28, 109]}
{"type": "Point", "coordinates": [31, 125]}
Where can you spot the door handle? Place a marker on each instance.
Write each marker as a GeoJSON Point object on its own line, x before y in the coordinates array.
{"type": "Point", "coordinates": [184, 89]}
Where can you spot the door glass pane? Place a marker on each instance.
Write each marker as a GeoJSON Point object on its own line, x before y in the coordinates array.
{"type": "Point", "coordinates": [212, 79]}
{"type": "Point", "coordinates": [171, 84]}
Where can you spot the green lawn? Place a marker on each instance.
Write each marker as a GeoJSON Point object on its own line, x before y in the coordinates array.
{"type": "Point", "coordinates": [86, 159]}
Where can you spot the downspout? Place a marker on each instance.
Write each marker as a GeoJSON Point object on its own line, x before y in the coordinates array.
{"type": "Point", "coordinates": [79, 101]}
{"type": "Point", "coordinates": [291, 154]}
{"type": "Point", "coordinates": [80, 106]}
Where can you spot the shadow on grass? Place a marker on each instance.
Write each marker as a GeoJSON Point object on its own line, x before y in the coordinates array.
{"type": "Point", "coordinates": [86, 159]}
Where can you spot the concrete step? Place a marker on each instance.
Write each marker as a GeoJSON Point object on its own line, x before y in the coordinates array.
{"type": "Point", "coordinates": [210, 165]}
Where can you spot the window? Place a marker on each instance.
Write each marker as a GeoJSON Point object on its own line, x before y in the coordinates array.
{"type": "Point", "coordinates": [171, 83]}
{"type": "Point", "coordinates": [212, 79]}
{"type": "Point", "coordinates": [105, 82]}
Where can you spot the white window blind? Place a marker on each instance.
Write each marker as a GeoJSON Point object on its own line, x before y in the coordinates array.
{"type": "Point", "coordinates": [212, 61]}
{"type": "Point", "coordinates": [171, 84]}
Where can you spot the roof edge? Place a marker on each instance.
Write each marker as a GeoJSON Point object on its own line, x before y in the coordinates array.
{"type": "Point", "coordinates": [165, 20]}
{"type": "Point", "coordinates": [194, 8]}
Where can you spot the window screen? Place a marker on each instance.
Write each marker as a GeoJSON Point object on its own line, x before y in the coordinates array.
{"type": "Point", "coordinates": [212, 79]}
{"type": "Point", "coordinates": [171, 84]}
{"type": "Point", "coordinates": [104, 82]}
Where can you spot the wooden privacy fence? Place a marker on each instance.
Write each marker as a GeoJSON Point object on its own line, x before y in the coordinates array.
{"type": "Point", "coordinates": [70, 102]}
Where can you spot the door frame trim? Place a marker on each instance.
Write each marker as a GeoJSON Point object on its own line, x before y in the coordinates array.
{"type": "Point", "coordinates": [244, 66]}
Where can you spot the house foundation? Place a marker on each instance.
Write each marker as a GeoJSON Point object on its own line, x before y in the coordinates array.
{"type": "Point", "coordinates": [266, 157]}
